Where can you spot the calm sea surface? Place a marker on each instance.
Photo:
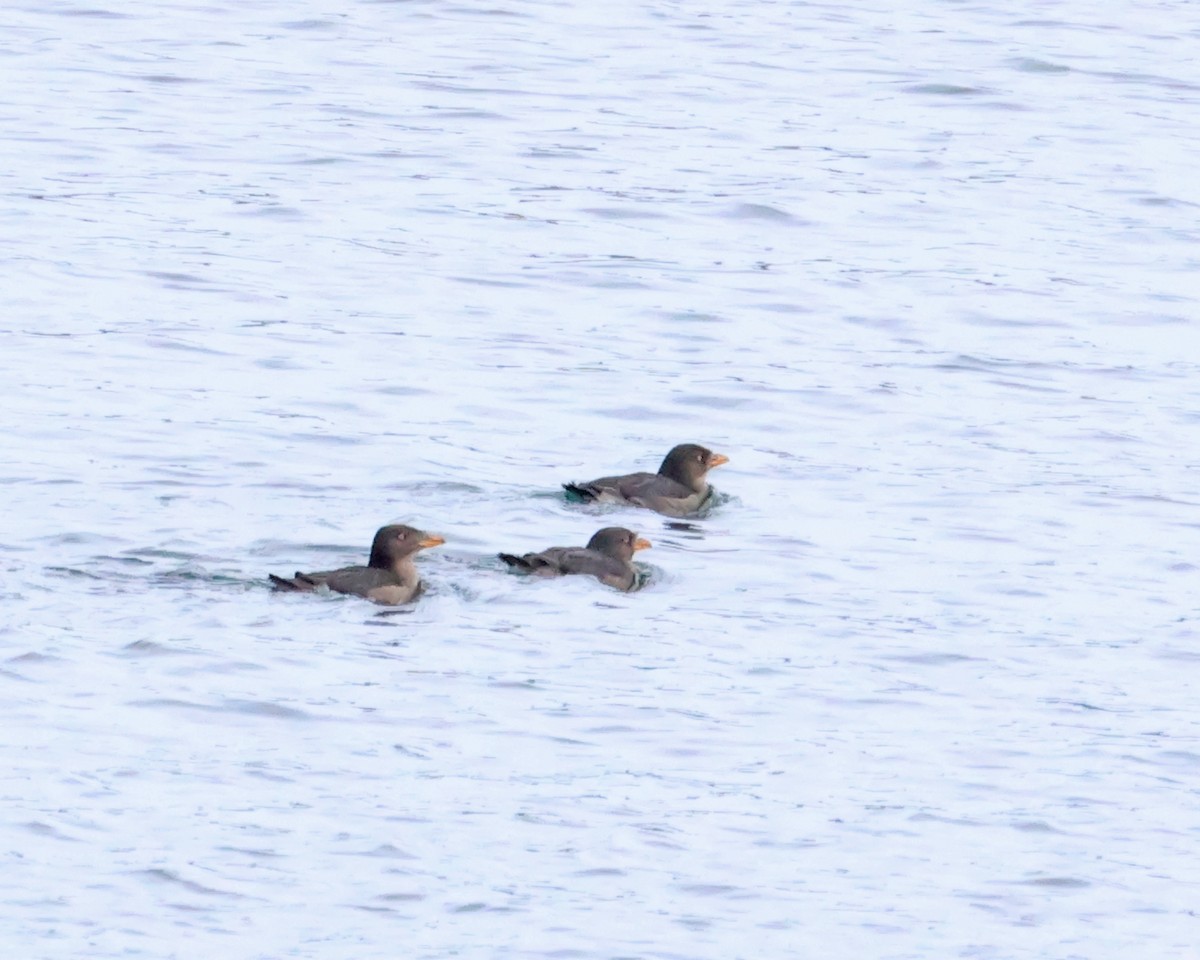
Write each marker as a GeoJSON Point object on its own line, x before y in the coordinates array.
{"type": "Point", "coordinates": [922, 686]}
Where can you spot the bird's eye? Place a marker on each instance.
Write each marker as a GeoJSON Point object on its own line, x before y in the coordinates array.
{"type": "Point", "coordinates": [400, 535]}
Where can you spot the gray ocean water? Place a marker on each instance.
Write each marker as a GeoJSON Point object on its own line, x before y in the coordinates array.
{"type": "Point", "coordinates": [922, 685]}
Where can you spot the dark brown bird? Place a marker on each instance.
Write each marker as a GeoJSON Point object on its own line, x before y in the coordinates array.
{"type": "Point", "coordinates": [608, 557]}
{"type": "Point", "coordinates": [679, 488]}
{"type": "Point", "coordinates": [390, 575]}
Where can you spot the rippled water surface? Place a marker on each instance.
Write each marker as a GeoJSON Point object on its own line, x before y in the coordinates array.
{"type": "Point", "coordinates": [920, 686]}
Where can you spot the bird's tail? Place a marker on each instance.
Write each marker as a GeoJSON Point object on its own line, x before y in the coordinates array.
{"type": "Point", "coordinates": [577, 492]}
{"type": "Point", "coordinates": [298, 582]}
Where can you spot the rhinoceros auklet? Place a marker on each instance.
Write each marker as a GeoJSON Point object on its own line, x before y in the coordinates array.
{"type": "Point", "coordinates": [390, 575]}
{"type": "Point", "coordinates": [678, 489]}
{"type": "Point", "coordinates": [608, 557]}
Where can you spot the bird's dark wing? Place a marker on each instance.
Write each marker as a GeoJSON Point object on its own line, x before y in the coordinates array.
{"type": "Point", "coordinates": [592, 563]}
{"type": "Point", "coordinates": [382, 586]}
{"type": "Point", "coordinates": [565, 561]}
{"type": "Point", "coordinates": [630, 488]}
{"type": "Point", "coordinates": [653, 491]}
{"type": "Point", "coordinates": [360, 580]}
